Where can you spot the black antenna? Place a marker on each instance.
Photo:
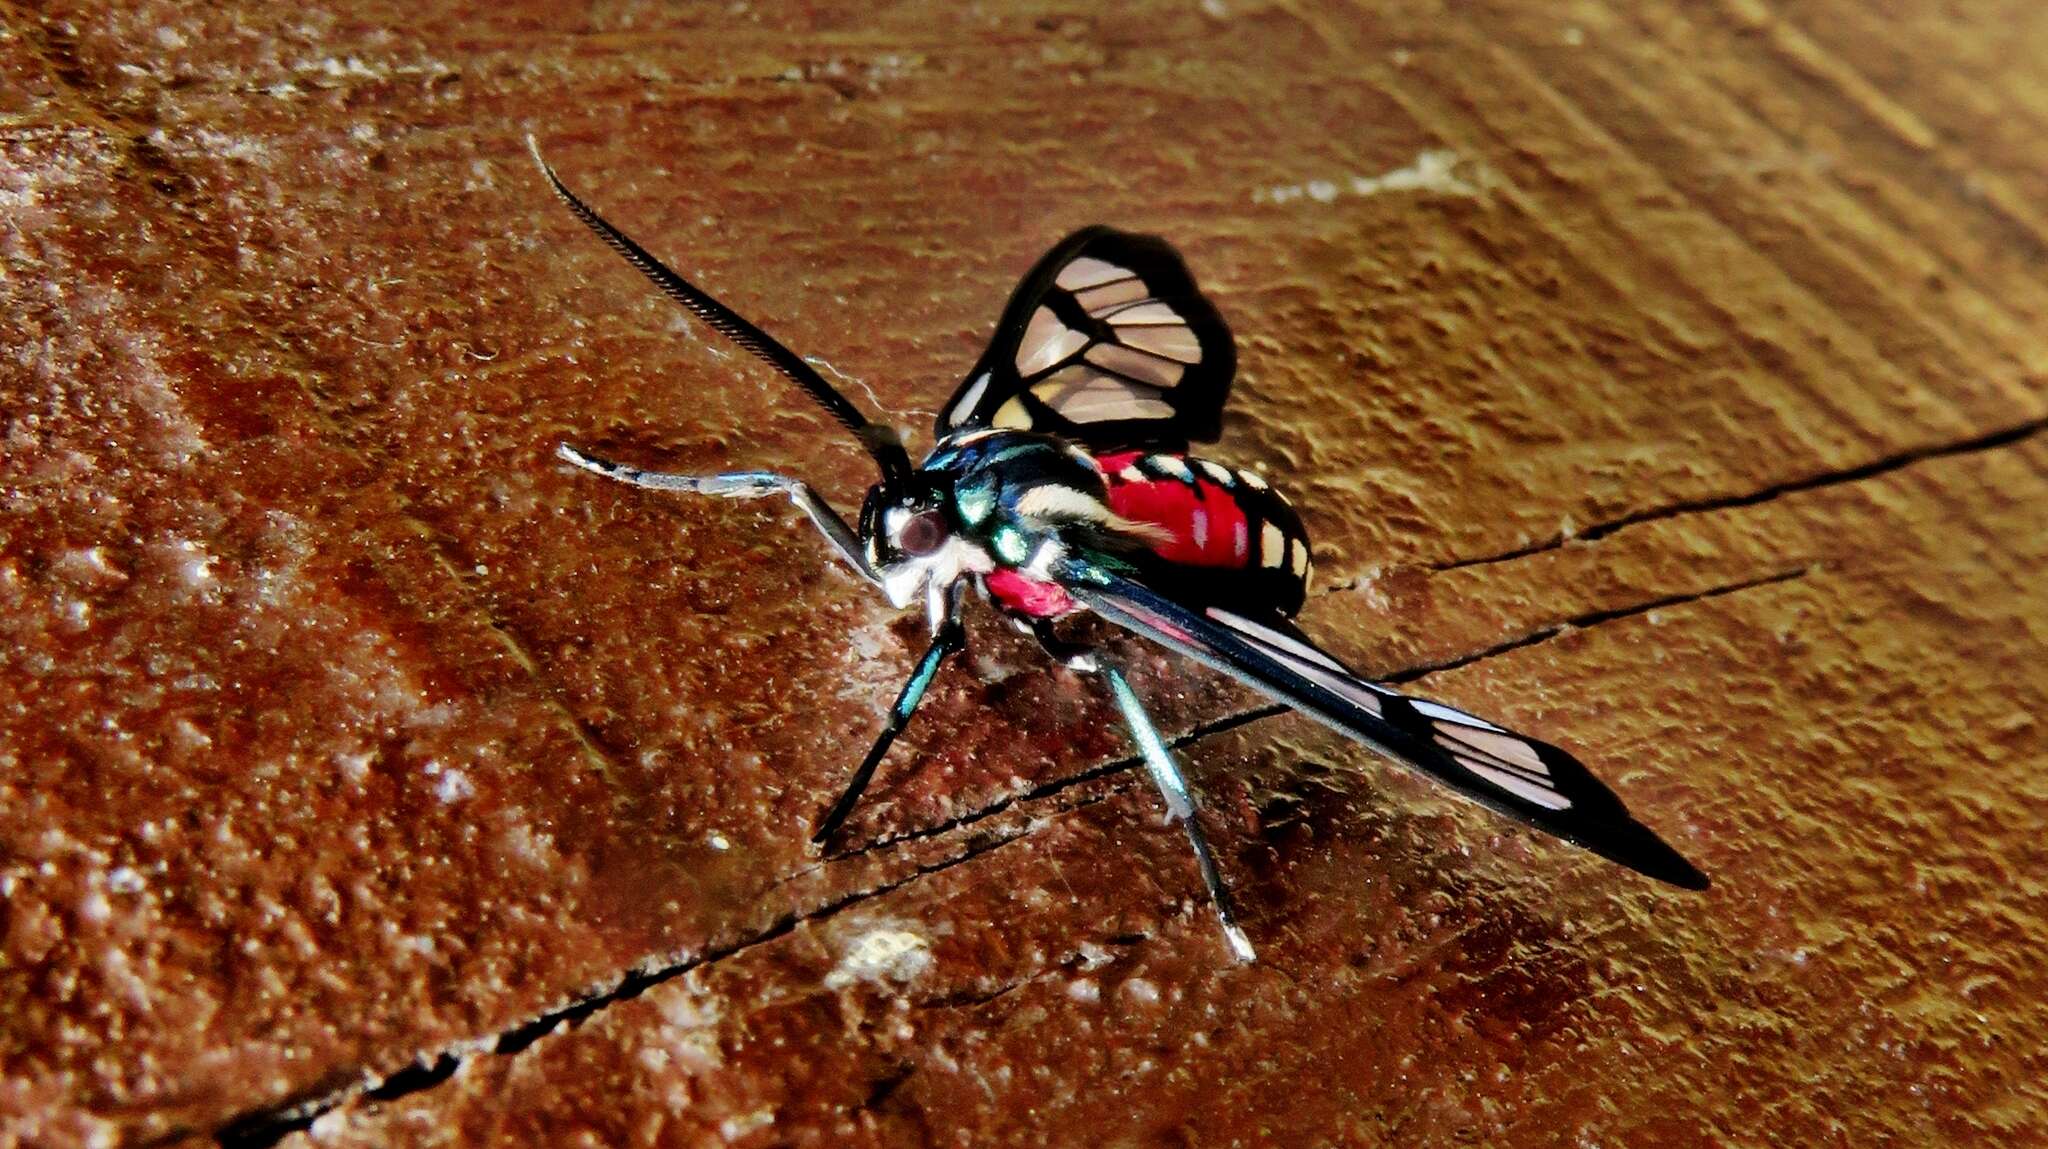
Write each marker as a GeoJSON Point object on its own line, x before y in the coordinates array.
{"type": "Point", "coordinates": [881, 442]}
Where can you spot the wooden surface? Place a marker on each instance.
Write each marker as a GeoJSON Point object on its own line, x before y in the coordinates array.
{"type": "Point", "coordinates": [1665, 379]}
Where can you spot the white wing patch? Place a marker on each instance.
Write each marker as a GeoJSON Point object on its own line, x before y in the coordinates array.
{"type": "Point", "coordinates": [1500, 760]}
{"type": "Point", "coordinates": [1439, 710]}
{"type": "Point", "coordinates": [1135, 364]}
{"type": "Point", "coordinates": [1505, 760]}
{"type": "Point", "coordinates": [1514, 784]}
{"type": "Point", "coordinates": [1500, 746]}
{"type": "Point", "coordinates": [1088, 271]}
{"type": "Point", "coordinates": [1151, 313]}
{"type": "Point", "coordinates": [1127, 311]}
{"type": "Point", "coordinates": [967, 401]}
{"type": "Point", "coordinates": [1087, 395]}
{"type": "Point", "coordinates": [1297, 558]}
{"type": "Point", "coordinates": [1046, 341]}
{"type": "Point", "coordinates": [1177, 342]}
{"type": "Point", "coordinates": [1272, 546]}
{"type": "Point", "coordinates": [1129, 379]}
{"type": "Point", "coordinates": [1100, 301]}
{"type": "Point", "coordinates": [1304, 660]}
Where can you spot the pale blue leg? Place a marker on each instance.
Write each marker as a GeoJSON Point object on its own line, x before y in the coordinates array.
{"type": "Point", "coordinates": [950, 638]}
{"type": "Point", "coordinates": [1180, 804]}
{"type": "Point", "coordinates": [736, 485]}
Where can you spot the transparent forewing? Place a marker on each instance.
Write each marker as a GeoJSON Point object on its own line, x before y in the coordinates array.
{"type": "Point", "coordinates": [1533, 782]}
{"type": "Point", "coordinates": [1106, 342]}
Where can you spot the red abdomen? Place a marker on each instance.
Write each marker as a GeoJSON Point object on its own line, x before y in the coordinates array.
{"type": "Point", "coordinates": [1224, 538]}
{"type": "Point", "coordinates": [1217, 518]}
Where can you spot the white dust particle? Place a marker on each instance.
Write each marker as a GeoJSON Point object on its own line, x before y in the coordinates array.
{"type": "Point", "coordinates": [1433, 172]}
{"type": "Point", "coordinates": [195, 566]}
{"type": "Point", "coordinates": [355, 766]}
{"type": "Point", "coordinates": [734, 1128]}
{"type": "Point", "coordinates": [1141, 991]}
{"type": "Point", "coordinates": [453, 787]}
{"type": "Point", "coordinates": [881, 955]}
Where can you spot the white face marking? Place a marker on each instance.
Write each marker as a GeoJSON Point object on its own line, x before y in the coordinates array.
{"type": "Point", "coordinates": [902, 583]}
{"type": "Point", "coordinates": [966, 405]}
{"type": "Point", "coordinates": [1173, 342]}
{"type": "Point", "coordinates": [1046, 341]}
{"type": "Point", "coordinates": [1272, 546]}
{"type": "Point", "coordinates": [1088, 271]}
{"type": "Point", "coordinates": [1136, 364]}
{"type": "Point", "coordinates": [1297, 558]}
{"type": "Point", "coordinates": [939, 570]}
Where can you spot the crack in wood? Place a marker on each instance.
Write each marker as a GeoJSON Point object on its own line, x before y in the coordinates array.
{"type": "Point", "coordinates": [1885, 465]}
{"type": "Point", "coordinates": [1057, 785]}
{"type": "Point", "coordinates": [1592, 619]}
{"type": "Point", "coordinates": [267, 1126]}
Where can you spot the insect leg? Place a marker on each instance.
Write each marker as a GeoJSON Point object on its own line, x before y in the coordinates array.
{"type": "Point", "coordinates": [1072, 655]}
{"type": "Point", "coordinates": [737, 485]}
{"type": "Point", "coordinates": [948, 639]}
{"type": "Point", "coordinates": [1180, 804]}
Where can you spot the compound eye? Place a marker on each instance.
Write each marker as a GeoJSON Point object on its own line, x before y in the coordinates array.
{"type": "Point", "coordinates": [922, 534]}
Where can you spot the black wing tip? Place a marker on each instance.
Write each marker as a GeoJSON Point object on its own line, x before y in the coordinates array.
{"type": "Point", "coordinates": [1674, 870]}
{"type": "Point", "coordinates": [1640, 849]}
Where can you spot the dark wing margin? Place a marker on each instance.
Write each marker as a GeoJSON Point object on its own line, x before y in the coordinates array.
{"type": "Point", "coordinates": [1530, 781]}
{"type": "Point", "coordinates": [1106, 342]}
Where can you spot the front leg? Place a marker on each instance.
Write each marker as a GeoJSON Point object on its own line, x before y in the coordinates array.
{"type": "Point", "coordinates": [737, 485]}
{"type": "Point", "coordinates": [948, 637]}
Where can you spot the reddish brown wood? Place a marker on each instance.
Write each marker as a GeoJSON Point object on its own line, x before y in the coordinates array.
{"type": "Point", "coordinates": [1668, 376]}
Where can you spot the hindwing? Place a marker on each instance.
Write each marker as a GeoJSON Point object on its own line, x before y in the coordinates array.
{"type": "Point", "coordinates": [1107, 343]}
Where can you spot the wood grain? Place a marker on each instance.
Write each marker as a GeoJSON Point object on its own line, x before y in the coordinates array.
{"type": "Point", "coordinates": [1665, 379]}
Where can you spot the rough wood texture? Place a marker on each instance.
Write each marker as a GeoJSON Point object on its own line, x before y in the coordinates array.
{"type": "Point", "coordinates": [1664, 378]}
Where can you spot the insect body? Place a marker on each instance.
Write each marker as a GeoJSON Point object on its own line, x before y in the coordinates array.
{"type": "Point", "coordinates": [1061, 482]}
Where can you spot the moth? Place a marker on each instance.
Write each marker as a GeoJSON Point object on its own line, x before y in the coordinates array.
{"type": "Point", "coordinates": [1061, 482]}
